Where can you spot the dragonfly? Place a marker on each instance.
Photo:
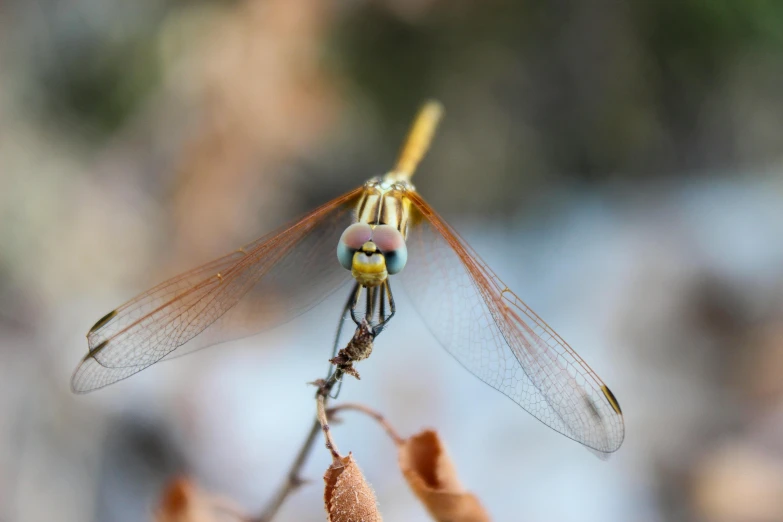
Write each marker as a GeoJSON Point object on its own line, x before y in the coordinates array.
{"type": "Point", "coordinates": [369, 238]}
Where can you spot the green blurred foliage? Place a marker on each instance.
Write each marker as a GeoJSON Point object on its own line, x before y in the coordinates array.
{"type": "Point", "coordinates": [583, 90]}
{"type": "Point", "coordinates": [608, 87]}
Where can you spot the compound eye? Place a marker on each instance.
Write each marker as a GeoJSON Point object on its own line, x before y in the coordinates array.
{"type": "Point", "coordinates": [391, 243]}
{"type": "Point", "coordinates": [351, 241]}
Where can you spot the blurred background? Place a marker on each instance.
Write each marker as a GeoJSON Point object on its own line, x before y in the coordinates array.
{"type": "Point", "coordinates": [617, 163]}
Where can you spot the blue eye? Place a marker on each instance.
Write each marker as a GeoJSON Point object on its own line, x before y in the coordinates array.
{"type": "Point", "coordinates": [391, 243]}
{"type": "Point", "coordinates": [396, 260]}
{"type": "Point", "coordinates": [351, 241]}
{"type": "Point", "coordinates": [345, 256]}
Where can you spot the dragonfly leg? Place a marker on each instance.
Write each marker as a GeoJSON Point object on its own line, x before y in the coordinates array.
{"type": "Point", "coordinates": [343, 315]}
{"type": "Point", "coordinates": [375, 300]}
{"type": "Point", "coordinates": [378, 294]}
{"type": "Point", "coordinates": [383, 319]}
{"type": "Point", "coordinates": [357, 293]}
{"type": "Point", "coordinates": [382, 304]}
{"type": "Point", "coordinates": [369, 304]}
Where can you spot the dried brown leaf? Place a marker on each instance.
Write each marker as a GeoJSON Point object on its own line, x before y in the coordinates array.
{"type": "Point", "coordinates": [433, 478]}
{"type": "Point", "coordinates": [182, 501]}
{"type": "Point", "coordinates": [348, 497]}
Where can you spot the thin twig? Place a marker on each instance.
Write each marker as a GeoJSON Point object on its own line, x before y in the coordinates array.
{"type": "Point", "coordinates": [330, 445]}
{"type": "Point", "coordinates": [230, 512]}
{"type": "Point", "coordinates": [363, 337]}
{"type": "Point", "coordinates": [379, 418]}
{"type": "Point", "coordinates": [293, 479]}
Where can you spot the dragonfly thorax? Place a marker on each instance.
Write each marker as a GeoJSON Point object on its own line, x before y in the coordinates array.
{"type": "Point", "coordinates": [385, 201]}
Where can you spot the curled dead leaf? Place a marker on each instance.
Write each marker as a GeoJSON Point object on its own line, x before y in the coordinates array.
{"type": "Point", "coordinates": [182, 501]}
{"type": "Point", "coordinates": [348, 497]}
{"type": "Point", "coordinates": [433, 478]}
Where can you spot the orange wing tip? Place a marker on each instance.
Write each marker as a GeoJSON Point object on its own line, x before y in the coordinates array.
{"type": "Point", "coordinates": [612, 399]}
{"type": "Point", "coordinates": [102, 321]}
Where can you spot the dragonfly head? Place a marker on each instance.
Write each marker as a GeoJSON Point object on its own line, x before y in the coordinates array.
{"type": "Point", "coordinates": [372, 253]}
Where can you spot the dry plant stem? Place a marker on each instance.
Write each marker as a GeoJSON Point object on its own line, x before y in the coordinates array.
{"type": "Point", "coordinates": [330, 445]}
{"type": "Point", "coordinates": [379, 418]}
{"type": "Point", "coordinates": [293, 480]}
{"type": "Point", "coordinates": [232, 514]}
{"type": "Point", "coordinates": [362, 338]}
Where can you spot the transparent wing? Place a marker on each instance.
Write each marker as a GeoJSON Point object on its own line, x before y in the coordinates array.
{"type": "Point", "coordinates": [259, 286]}
{"type": "Point", "coordinates": [497, 337]}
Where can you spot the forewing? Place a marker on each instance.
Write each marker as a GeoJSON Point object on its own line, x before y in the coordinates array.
{"type": "Point", "coordinates": [259, 286]}
{"type": "Point", "coordinates": [497, 337]}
